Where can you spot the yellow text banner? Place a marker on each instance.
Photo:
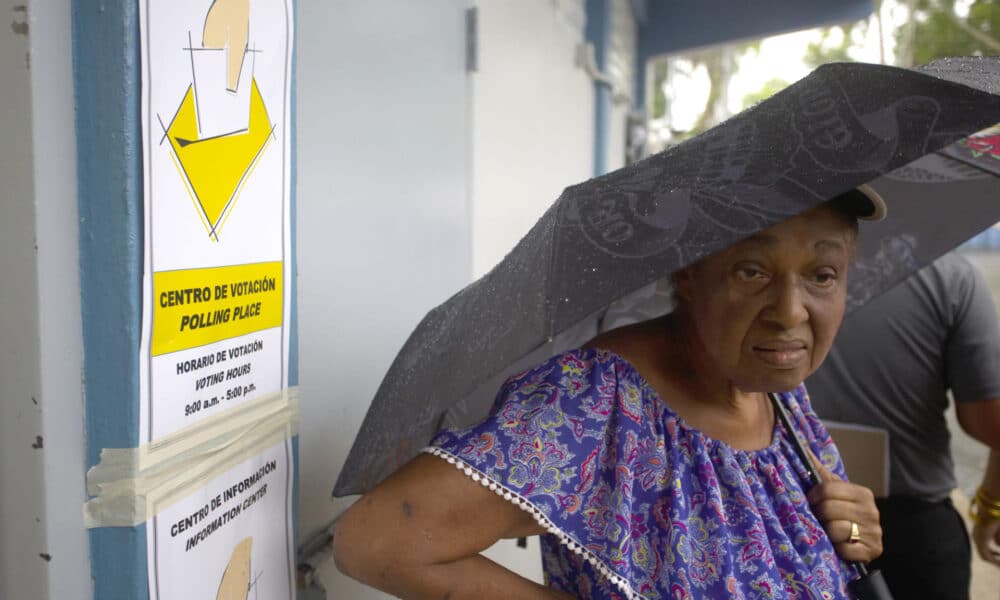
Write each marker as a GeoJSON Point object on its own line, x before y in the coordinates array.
{"type": "Point", "coordinates": [194, 307]}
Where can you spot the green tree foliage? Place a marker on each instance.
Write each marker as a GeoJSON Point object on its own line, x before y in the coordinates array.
{"type": "Point", "coordinates": [659, 98]}
{"type": "Point", "coordinates": [770, 88]}
{"type": "Point", "coordinates": [936, 30]}
{"type": "Point", "coordinates": [821, 52]}
{"type": "Point", "coordinates": [817, 53]}
{"type": "Point", "coordinates": [720, 63]}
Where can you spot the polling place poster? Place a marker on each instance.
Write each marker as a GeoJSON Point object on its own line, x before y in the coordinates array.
{"type": "Point", "coordinates": [216, 299]}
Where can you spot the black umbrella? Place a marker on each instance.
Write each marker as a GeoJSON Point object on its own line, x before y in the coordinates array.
{"type": "Point", "coordinates": [842, 126]}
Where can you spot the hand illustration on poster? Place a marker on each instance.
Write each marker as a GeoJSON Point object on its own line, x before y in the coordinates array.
{"type": "Point", "coordinates": [235, 584]}
{"type": "Point", "coordinates": [221, 127]}
{"type": "Point", "coordinates": [227, 27]}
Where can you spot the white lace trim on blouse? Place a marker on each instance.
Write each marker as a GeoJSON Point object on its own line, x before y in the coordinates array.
{"type": "Point", "coordinates": [527, 506]}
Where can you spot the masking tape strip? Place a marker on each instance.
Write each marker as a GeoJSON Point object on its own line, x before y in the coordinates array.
{"type": "Point", "coordinates": [130, 485]}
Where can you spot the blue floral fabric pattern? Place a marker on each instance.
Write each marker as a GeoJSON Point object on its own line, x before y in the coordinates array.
{"type": "Point", "coordinates": [640, 505]}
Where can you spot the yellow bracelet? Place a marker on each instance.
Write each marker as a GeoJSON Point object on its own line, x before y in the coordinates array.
{"type": "Point", "coordinates": [983, 509]}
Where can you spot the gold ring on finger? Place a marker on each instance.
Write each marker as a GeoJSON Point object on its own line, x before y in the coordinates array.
{"type": "Point", "coordinates": [855, 536]}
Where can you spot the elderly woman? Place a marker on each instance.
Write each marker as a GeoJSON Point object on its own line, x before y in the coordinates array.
{"type": "Point", "coordinates": [650, 461]}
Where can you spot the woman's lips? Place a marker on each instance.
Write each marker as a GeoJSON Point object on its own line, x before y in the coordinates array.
{"type": "Point", "coordinates": [783, 355]}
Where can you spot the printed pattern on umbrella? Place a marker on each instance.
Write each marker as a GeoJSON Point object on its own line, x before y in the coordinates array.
{"type": "Point", "coordinates": [981, 150]}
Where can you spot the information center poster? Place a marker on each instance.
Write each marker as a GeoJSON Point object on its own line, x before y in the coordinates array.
{"type": "Point", "coordinates": [227, 540]}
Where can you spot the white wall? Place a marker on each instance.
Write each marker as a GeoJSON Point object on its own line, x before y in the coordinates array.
{"type": "Point", "coordinates": [533, 135]}
{"type": "Point", "coordinates": [533, 118]}
{"type": "Point", "coordinates": [41, 352]}
{"type": "Point", "coordinates": [21, 538]}
{"type": "Point", "coordinates": [383, 225]}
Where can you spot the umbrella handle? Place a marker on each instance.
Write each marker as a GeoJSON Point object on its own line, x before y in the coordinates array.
{"type": "Point", "coordinates": [870, 585]}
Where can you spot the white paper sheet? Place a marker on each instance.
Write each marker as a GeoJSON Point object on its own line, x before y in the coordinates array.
{"type": "Point", "coordinates": [217, 281]}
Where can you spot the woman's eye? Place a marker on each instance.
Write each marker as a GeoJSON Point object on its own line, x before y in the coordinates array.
{"type": "Point", "coordinates": [825, 278]}
{"type": "Point", "coordinates": [749, 273]}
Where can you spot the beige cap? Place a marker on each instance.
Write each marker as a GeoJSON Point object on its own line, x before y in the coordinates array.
{"type": "Point", "coordinates": [862, 202]}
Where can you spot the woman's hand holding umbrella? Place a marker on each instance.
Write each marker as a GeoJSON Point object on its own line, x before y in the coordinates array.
{"type": "Point", "coordinates": [848, 514]}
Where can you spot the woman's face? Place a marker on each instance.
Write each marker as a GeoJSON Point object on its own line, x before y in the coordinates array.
{"type": "Point", "coordinates": [765, 311]}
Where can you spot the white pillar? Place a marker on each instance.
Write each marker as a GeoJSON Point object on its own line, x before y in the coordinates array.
{"type": "Point", "coordinates": [43, 544]}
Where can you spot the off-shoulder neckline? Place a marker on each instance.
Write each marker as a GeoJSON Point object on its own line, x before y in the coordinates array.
{"type": "Point", "coordinates": [777, 434]}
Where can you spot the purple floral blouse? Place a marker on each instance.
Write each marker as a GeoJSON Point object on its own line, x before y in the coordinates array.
{"type": "Point", "coordinates": [640, 505]}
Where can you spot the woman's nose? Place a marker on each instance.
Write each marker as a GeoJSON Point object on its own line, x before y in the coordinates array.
{"type": "Point", "coordinates": [787, 308]}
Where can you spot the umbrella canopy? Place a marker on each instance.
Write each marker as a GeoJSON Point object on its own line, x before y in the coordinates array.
{"type": "Point", "coordinates": [842, 126]}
